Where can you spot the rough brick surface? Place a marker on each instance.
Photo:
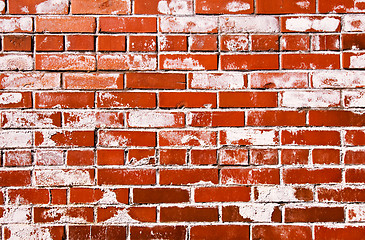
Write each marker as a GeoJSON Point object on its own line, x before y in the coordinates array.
{"type": "Point", "coordinates": [182, 119]}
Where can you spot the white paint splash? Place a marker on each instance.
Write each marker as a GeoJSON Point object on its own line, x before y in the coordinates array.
{"type": "Point", "coordinates": [151, 119]}
{"type": "Point", "coordinates": [9, 98]}
{"type": "Point", "coordinates": [302, 24]}
{"type": "Point", "coordinates": [29, 232]}
{"type": "Point", "coordinates": [121, 216]}
{"type": "Point", "coordinates": [217, 81]}
{"type": "Point", "coordinates": [16, 62]}
{"type": "Point", "coordinates": [52, 6]}
{"type": "Point", "coordinates": [264, 24]}
{"type": "Point", "coordinates": [18, 214]}
{"type": "Point", "coordinates": [357, 61]}
{"type": "Point", "coordinates": [236, 6]}
{"type": "Point", "coordinates": [15, 24]}
{"type": "Point", "coordinates": [57, 177]}
{"type": "Point", "coordinates": [257, 212]}
{"type": "Point", "coordinates": [186, 63]}
{"type": "Point", "coordinates": [188, 24]}
{"type": "Point", "coordinates": [323, 98]}
{"type": "Point", "coordinates": [13, 139]}
{"type": "Point", "coordinates": [237, 43]}
{"type": "Point", "coordinates": [338, 79]}
{"type": "Point", "coordinates": [252, 136]}
{"type": "Point", "coordinates": [175, 7]}
{"type": "Point", "coordinates": [276, 194]}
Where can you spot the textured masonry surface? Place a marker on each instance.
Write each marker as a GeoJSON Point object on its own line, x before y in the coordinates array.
{"type": "Point", "coordinates": [182, 119]}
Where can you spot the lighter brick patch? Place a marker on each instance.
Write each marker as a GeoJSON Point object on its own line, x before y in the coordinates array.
{"type": "Point", "coordinates": [217, 81]}
{"type": "Point", "coordinates": [9, 98]}
{"type": "Point", "coordinates": [16, 62]}
{"type": "Point", "coordinates": [303, 4]}
{"type": "Point", "coordinates": [21, 119]}
{"type": "Point", "coordinates": [310, 98]}
{"type": "Point", "coordinates": [52, 6]}
{"type": "Point", "coordinates": [14, 24]}
{"type": "Point", "coordinates": [30, 80]}
{"type": "Point", "coordinates": [188, 24]}
{"type": "Point", "coordinates": [107, 139]}
{"type": "Point", "coordinates": [109, 197]}
{"type": "Point", "coordinates": [265, 24]}
{"type": "Point", "coordinates": [257, 212]}
{"type": "Point", "coordinates": [151, 119]}
{"type": "Point", "coordinates": [176, 7]}
{"type": "Point", "coordinates": [252, 136]}
{"type": "Point", "coordinates": [276, 194]}
{"type": "Point", "coordinates": [338, 79]}
{"type": "Point", "coordinates": [357, 61]}
{"type": "Point", "coordinates": [62, 177]}
{"type": "Point", "coordinates": [303, 24]}
{"type": "Point", "coordinates": [354, 98]}
{"type": "Point", "coordinates": [49, 157]}
{"type": "Point", "coordinates": [279, 80]}
{"type": "Point", "coordinates": [239, 43]}
{"type": "Point", "coordinates": [12, 139]}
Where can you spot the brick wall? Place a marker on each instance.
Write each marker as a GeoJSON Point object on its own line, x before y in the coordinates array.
{"type": "Point", "coordinates": [182, 119]}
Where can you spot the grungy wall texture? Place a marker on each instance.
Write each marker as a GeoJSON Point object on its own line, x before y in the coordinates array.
{"type": "Point", "coordinates": [182, 119]}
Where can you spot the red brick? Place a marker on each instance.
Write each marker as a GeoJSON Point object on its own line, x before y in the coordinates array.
{"type": "Point", "coordinates": [248, 99]}
{"type": "Point", "coordinates": [281, 232]}
{"type": "Point", "coordinates": [335, 118]}
{"type": "Point", "coordinates": [264, 157]}
{"type": "Point", "coordinates": [294, 156]}
{"type": "Point", "coordinates": [160, 195]}
{"type": "Point", "coordinates": [233, 156]}
{"type": "Point", "coordinates": [276, 118]}
{"type": "Point", "coordinates": [285, 7]}
{"type": "Point", "coordinates": [139, 43]}
{"type": "Point", "coordinates": [59, 196]}
{"type": "Point", "coordinates": [265, 42]}
{"type": "Point", "coordinates": [92, 81]}
{"type": "Point", "coordinates": [340, 6]}
{"type": "Point", "coordinates": [126, 100]}
{"type": "Point", "coordinates": [234, 213]}
{"type": "Point", "coordinates": [173, 156]}
{"type": "Point", "coordinates": [216, 119]}
{"type": "Point", "coordinates": [49, 43]}
{"type": "Point", "coordinates": [145, 156]}
{"type": "Point", "coordinates": [227, 7]}
{"type": "Point", "coordinates": [63, 215]}
{"type": "Point", "coordinates": [222, 194]}
{"type": "Point", "coordinates": [127, 62]}
{"type": "Point", "coordinates": [37, 7]}
{"type": "Point", "coordinates": [314, 214]}
{"type": "Point", "coordinates": [108, 43]}
{"type": "Point", "coordinates": [15, 178]}
{"type": "Point", "coordinates": [234, 43]}
{"type": "Point", "coordinates": [64, 138]}
{"type": "Point", "coordinates": [126, 176]}
{"type": "Point", "coordinates": [110, 157]}
{"type": "Point", "coordinates": [16, 100]}
{"type": "Point", "coordinates": [203, 43]}
{"type": "Point", "coordinates": [91, 196]}
{"type": "Point", "coordinates": [140, 214]}
{"type": "Point", "coordinates": [97, 232]}
{"type": "Point", "coordinates": [155, 81]}
{"type": "Point", "coordinates": [310, 61]}
{"type": "Point", "coordinates": [295, 42]}
{"type": "Point", "coordinates": [310, 137]}
{"type": "Point", "coordinates": [250, 62]}
{"type": "Point", "coordinates": [69, 24]}
{"type": "Point", "coordinates": [80, 157]}
{"type": "Point", "coordinates": [61, 62]}
{"type": "Point", "coordinates": [29, 196]}
{"type": "Point", "coordinates": [341, 194]}
{"type": "Point", "coordinates": [326, 156]}
{"type": "Point", "coordinates": [187, 138]}
{"type": "Point", "coordinates": [188, 62]}
{"type": "Point", "coordinates": [353, 60]}
{"type": "Point", "coordinates": [279, 80]}
{"type": "Point", "coordinates": [184, 7]}
{"type": "Point", "coordinates": [312, 176]}
{"type": "Point", "coordinates": [158, 232]}
{"type": "Point", "coordinates": [189, 24]}
{"type": "Point", "coordinates": [173, 43]}
{"type": "Point", "coordinates": [203, 156]}
{"type": "Point", "coordinates": [188, 176]}
{"type": "Point", "coordinates": [325, 42]}
{"type": "Point", "coordinates": [355, 175]}
{"type": "Point", "coordinates": [250, 176]}
{"type": "Point", "coordinates": [17, 43]}
{"type": "Point", "coordinates": [189, 214]}
{"type": "Point", "coordinates": [128, 24]}
{"type": "Point", "coordinates": [80, 43]}
{"type": "Point", "coordinates": [113, 138]}
{"type": "Point", "coordinates": [249, 136]}
{"type": "Point", "coordinates": [187, 100]}
{"type": "Point", "coordinates": [355, 138]}
{"type": "Point", "coordinates": [228, 232]}
{"type": "Point", "coordinates": [64, 100]}
{"type": "Point", "coordinates": [100, 7]}
{"type": "Point", "coordinates": [310, 24]}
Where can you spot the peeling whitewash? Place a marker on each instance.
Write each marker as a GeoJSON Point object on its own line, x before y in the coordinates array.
{"type": "Point", "coordinates": [152, 119]}
{"type": "Point", "coordinates": [338, 79]}
{"type": "Point", "coordinates": [30, 80]}
{"type": "Point", "coordinates": [188, 24]}
{"type": "Point", "coordinates": [185, 63]}
{"type": "Point", "coordinates": [357, 61]}
{"type": "Point", "coordinates": [121, 216]}
{"type": "Point", "coordinates": [23, 119]}
{"type": "Point", "coordinates": [17, 214]}
{"type": "Point", "coordinates": [130, 62]}
{"type": "Point", "coordinates": [16, 62]}
{"type": "Point", "coordinates": [354, 98]}
{"type": "Point", "coordinates": [52, 6]}
{"type": "Point", "coordinates": [175, 7]}
{"type": "Point", "coordinates": [276, 194]}
{"type": "Point", "coordinates": [237, 43]}
{"type": "Point", "coordinates": [257, 212]}
{"type": "Point", "coordinates": [49, 157]}
{"type": "Point", "coordinates": [251, 136]}
{"type": "Point", "coordinates": [217, 81]}
{"type": "Point", "coordinates": [302, 24]}
{"type": "Point", "coordinates": [237, 6]}
{"type": "Point", "coordinates": [15, 139]}
{"type": "Point", "coordinates": [354, 23]}
{"type": "Point", "coordinates": [29, 232]}
{"type": "Point", "coordinates": [63, 215]}
{"type": "Point", "coordinates": [92, 119]}
{"type": "Point", "coordinates": [9, 98]}
{"type": "Point", "coordinates": [322, 98]}
{"type": "Point", "coordinates": [264, 24]}
{"type": "Point", "coordinates": [57, 177]}
{"type": "Point", "coordinates": [24, 24]}
{"type": "Point", "coordinates": [279, 80]}
{"type": "Point", "coordinates": [356, 213]}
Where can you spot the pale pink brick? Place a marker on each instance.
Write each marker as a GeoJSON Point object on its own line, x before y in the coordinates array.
{"type": "Point", "coordinates": [153, 119]}
{"type": "Point", "coordinates": [30, 80]}
{"type": "Point", "coordinates": [187, 138]}
{"type": "Point", "coordinates": [338, 79]}
{"type": "Point", "coordinates": [49, 157]}
{"type": "Point", "coordinates": [16, 62]}
{"type": "Point", "coordinates": [92, 119]}
{"type": "Point", "coordinates": [321, 98]}
{"type": "Point", "coordinates": [127, 62]}
{"type": "Point", "coordinates": [234, 156]}
{"type": "Point", "coordinates": [263, 24]}
{"type": "Point", "coordinates": [17, 158]}
{"type": "Point", "coordinates": [27, 119]}
{"type": "Point", "coordinates": [62, 62]}
{"type": "Point", "coordinates": [197, 24]}
{"type": "Point", "coordinates": [16, 139]}
{"type": "Point", "coordinates": [354, 23]}
{"type": "Point", "coordinates": [93, 81]}
{"type": "Point", "coordinates": [61, 177]}
{"type": "Point", "coordinates": [279, 80]}
{"type": "Point", "coordinates": [217, 81]}
{"type": "Point", "coordinates": [354, 98]}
